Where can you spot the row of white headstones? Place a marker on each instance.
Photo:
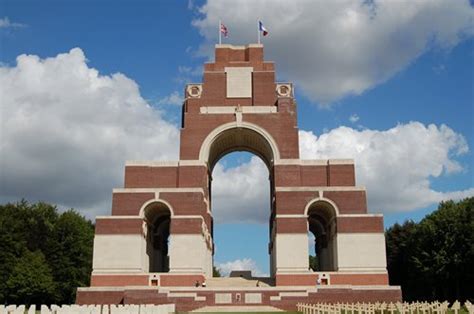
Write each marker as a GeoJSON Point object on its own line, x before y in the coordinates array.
{"type": "Point", "coordinates": [380, 308]}
{"type": "Point", "coordinates": [89, 309]}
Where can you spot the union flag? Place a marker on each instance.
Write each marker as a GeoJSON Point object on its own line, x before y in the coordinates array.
{"type": "Point", "coordinates": [224, 30]}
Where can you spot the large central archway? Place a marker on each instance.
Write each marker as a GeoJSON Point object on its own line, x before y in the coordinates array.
{"type": "Point", "coordinates": [248, 138]}
{"type": "Point", "coordinates": [240, 212]}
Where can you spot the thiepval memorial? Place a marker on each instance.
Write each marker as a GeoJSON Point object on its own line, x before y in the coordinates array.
{"type": "Point", "coordinates": [158, 245]}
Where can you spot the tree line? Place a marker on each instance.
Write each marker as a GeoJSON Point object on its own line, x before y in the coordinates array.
{"type": "Point", "coordinates": [45, 255]}
{"type": "Point", "coordinates": [434, 258]}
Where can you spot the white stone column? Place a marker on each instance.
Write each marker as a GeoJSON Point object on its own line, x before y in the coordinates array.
{"type": "Point", "coordinates": [291, 252]}
{"type": "Point", "coordinates": [361, 252]}
{"type": "Point", "coordinates": [187, 252]}
{"type": "Point", "coordinates": [119, 252]}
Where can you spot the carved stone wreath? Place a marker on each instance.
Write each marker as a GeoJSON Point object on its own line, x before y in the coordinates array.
{"type": "Point", "coordinates": [194, 90]}
{"type": "Point", "coordinates": [283, 90]}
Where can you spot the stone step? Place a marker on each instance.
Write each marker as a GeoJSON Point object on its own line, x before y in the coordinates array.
{"type": "Point", "coordinates": [221, 309]}
{"type": "Point", "coordinates": [236, 282]}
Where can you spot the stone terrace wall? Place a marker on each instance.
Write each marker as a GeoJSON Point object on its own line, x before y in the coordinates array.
{"type": "Point", "coordinates": [89, 309]}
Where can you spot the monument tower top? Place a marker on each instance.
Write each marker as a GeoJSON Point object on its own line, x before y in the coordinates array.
{"type": "Point", "coordinates": [239, 75]}
{"type": "Point", "coordinates": [233, 53]}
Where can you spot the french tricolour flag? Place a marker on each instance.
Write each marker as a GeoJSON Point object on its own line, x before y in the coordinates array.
{"type": "Point", "coordinates": [262, 28]}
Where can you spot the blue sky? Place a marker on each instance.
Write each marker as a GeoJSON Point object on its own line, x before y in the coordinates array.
{"type": "Point", "coordinates": [400, 78]}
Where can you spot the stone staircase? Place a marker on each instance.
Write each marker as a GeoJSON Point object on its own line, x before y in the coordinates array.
{"type": "Point", "coordinates": [238, 282]}
{"type": "Point", "coordinates": [234, 309]}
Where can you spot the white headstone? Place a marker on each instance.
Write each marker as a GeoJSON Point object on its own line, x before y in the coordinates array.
{"type": "Point", "coordinates": [45, 310]}
{"type": "Point", "coordinates": [134, 309]}
{"type": "Point", "coordinates": [20, 309]}
{"type": "Point", "coordinates": [10, 308]}
{"type": "Point", "coordinates": [32, 309]}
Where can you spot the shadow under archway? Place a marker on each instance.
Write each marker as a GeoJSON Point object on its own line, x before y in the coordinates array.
{"type": "Point", "coordinates": [157, 217]}
{"type": "Point", "coordinates": [322, 223]}
{"type": "Point", "coordinates": [240, 139]}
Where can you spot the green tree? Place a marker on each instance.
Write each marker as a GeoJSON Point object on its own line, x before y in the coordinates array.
{"type": "Point", "coordinates": [313, 263]}
{"type": "Point", "coordinates": [70, 253]}
{"type": "Point", "coordinates": [401, 245]}
{"type": "Point", "coordinates": [216, 272]}
{"type": "Point", "coordinates": [13, 239]}
{"type": "Point", "coordinates": [445, 255]}
{"type": "Point", "coordinates": [64, 240]}
{"type": "Point", "coordinates": [433, 259]}
{"type": "Point", "coordinates": [39, 220]}
{"type": "Point", "coordinates": [31, 281]}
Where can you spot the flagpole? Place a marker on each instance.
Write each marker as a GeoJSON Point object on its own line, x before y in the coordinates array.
{"type": "Point", "coordinates": [220, 33]}
{"type": "Point", "coordinates": [258, 31]}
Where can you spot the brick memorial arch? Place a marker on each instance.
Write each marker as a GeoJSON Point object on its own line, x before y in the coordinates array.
{"type": "Point", "coordinates": [158, 242]}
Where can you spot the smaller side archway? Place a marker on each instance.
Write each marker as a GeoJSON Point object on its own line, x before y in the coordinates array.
{"type": "Point", "coordinates": [157, 216]}
{"type": "Point", "coordinates": [322, 224]}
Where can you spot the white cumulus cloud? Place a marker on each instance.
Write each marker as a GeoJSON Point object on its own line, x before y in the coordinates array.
{"type": "Point", "coordinates": [337, 48]}
{"type": "Point", "coordinates": [66, 131]}
{"type": "Point", "coordinates": [174, 99]}
{"type": "Point", "coordinates": [395, 165]}
{"type": "Point", "coordinates": [242, 193]}
{"type": "Point", "coordinates": [240, 264]}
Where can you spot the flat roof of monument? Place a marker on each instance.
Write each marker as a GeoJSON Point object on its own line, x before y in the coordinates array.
{"type": "Point", "coordinates": [239, 46]}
